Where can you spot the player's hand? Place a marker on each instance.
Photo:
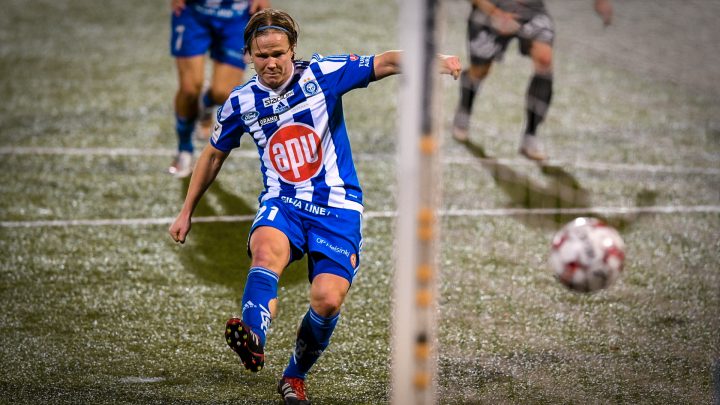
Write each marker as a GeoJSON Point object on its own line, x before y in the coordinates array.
{"type": "Point", "coordinates": [177, 6]}
{"type": "Point", "coordinates": [604, 9]}
{"type": "Point", "coordinates": [450, 65]}
{"type": "Point", "coordinates": [504, 23]}
{"type": "Point", "coordinates": [257, 5]}
{"type": "Point", "coordinates": [180, 228]}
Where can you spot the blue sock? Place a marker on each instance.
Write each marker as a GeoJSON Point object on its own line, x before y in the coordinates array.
{"type": "Point", "coordinates": [313, 337]}
{"type": "Point", "coordinates": [184, 128]}
{"type": "Point", "coordinates": [207, 100]}
{"type": "Point", "coordinates": [260, 288]}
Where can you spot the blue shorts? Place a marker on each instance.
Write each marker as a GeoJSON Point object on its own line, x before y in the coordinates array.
{"type": "Point", "coordinates": [332, 237]}
{"type": "Point", "coordinates": [193, 33]}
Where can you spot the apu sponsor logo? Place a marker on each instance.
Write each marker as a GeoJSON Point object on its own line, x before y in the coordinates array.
{"type": "Point", "coordinates": [267, 102]}
{"type": "Point", "coordinates": [295, 152]}
{"type": "Point", "coordinates": [249, 117]}
{"type": "Point", "coordinates": [268, 120]}
{"type": "Point", "coordinates": [311, 88]}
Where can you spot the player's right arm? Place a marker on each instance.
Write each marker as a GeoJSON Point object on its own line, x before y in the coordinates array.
{"type": "Point", "coordinates": [388, 63]}
{"type": "Point", "coordinates": [206, 169]}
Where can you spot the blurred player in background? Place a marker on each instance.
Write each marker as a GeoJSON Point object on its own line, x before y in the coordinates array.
{"type": "Point", "coordinates": [312, 201]}
{"type": "Point", "coordinates": [491, 26]}
{"type": "Point", "coordinates": [199, 26]}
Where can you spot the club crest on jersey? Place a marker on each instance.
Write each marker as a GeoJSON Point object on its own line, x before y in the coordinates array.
{"type": "Point", "coordinates": [249, 117]}
{"type": "Point", "coordinates": [311, 88]}
{"type": "Point", "coordinates": [295, 152]}
{"type": "Point", "coordinates": [268, 101]}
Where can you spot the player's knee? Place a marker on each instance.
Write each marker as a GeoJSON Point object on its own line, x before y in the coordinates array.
{"type": "Point", "coordinates": [543, 62]}
{"type": "Point", "coordinates": [190, 90]}
{"type": "Point", "coordinates": [544, 69]}
{"type": "Point", "coordinates": [269, 256]}
{"type": "Point", "coordinates": [326, 307]}
{"type": "Point", "coordinates": [326, 302]}
{"type": "Point", "coordinates": [479, 72]}
{"type": "Point", "coordinates": [219, 95]}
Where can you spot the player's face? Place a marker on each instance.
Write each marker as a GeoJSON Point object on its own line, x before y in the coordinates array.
{"type": "Point", "coordinates": [272, 57]}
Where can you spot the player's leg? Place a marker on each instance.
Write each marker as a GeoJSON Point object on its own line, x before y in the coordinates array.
{"type": "Point", "coordinates": [470, 81]}
{"type": "Point", "coordinates": [190, 78]}
{"type": "Point", "coordinates": [225, 77]}
{"type": "Point", "coordinates": [539, 95]}
{"type": "Point", "coordinates": [327, 293]}
{"type": "Point", "coordinates": [270, 246]}
{"type": "Point", "coordinates": [188, 43]}
{"type": "Point", "coordinates": [270, 254]}
{"type": "Point", "coordinates": [537, 40]}
{"type": "Point", "coordinates": [334, 244]}
{"type": "Point", "coordinates": [227, 52]}
{"type": "Point", "coordinates": [483, 47]}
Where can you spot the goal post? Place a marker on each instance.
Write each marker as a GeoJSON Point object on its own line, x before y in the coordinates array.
{"type": "Point", "coordinates": [414, 351]}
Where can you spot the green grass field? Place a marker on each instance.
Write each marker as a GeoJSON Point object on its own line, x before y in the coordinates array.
{"type": "Point", "coordinates": [100, 306]}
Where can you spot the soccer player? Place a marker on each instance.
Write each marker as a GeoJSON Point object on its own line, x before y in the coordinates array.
{"type": "Point", "coordinates": [491, 26]}
{"type": "Point", "coordinates": [196, 27]}
{"type": "Point", "coordinates": [312, 202]}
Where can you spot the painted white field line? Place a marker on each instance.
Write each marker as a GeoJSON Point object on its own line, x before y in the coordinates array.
{"type": "Point", "coordinates": [10, 150]}
{"type": "Point", "coordinates": [120, 221]}
{"type": "Point", "coordinates": [499, 212]}
{"type": "Point", "coordinates": [598, 166]}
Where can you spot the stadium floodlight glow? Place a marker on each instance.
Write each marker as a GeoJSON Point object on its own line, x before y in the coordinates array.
{"type": "Point", "coordinates": [416, 241]}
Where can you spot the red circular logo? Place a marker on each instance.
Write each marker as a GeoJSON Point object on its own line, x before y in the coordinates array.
{"type": "Point", "coordinates": [295, 152]}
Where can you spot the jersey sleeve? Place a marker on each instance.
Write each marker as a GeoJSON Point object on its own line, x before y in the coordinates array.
{"type": "Point", "coordinates": [346, 72]}
{"type": "Point", "coordinates": [229, 127]}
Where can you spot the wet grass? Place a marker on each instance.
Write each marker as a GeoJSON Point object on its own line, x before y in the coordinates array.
{"type": "Point", "coordinates": [120, 314]}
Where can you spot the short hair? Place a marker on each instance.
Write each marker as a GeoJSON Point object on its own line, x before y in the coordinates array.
{"type": "Point", "coordinates": [268, 19]}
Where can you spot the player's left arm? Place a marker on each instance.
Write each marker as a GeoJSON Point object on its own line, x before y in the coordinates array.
{"type": "Point", "coordinates": [604, 9]}
{"type": "Point", "coordinates": [388, 63]}
{"type": "Point", "coordinates": [257, 5]}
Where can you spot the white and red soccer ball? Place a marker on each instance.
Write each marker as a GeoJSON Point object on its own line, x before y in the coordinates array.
{"type": "Point", "coordinates": [587, 255]}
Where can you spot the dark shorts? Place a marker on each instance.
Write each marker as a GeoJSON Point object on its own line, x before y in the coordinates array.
{"type": "Point", "coordinates": [194, 33]}
{"type": "Point", "coordinates": [332, 237]}
{"type": "Point", "coordinates": [485, 45]}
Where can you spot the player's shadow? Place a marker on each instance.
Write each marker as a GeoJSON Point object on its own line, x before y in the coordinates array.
{"type": "Point", "coordinates": [217, 251]}
{"type": "Point", "coordinates": [562, 191]}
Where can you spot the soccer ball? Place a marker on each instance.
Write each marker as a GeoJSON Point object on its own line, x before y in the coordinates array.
{"type": "Point", "coordinates": [587, 255]}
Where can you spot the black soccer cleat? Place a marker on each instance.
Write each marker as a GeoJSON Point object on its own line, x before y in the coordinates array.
{"type": "Point", "coordinates": [246, 344]}
{"type": "Point", "coordinates": [293, 391]}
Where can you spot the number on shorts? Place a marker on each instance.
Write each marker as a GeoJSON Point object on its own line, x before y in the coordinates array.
{"type": "Point", "coordinates": [271, 215]}
{"type": "Point", "coordinates": [180, 29]}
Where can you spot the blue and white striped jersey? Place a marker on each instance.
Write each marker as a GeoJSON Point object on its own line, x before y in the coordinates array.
{"type": "Point", "coordinates": [300, 130]}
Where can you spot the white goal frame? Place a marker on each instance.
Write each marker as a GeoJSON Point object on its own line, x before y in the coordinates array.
{"type": "Point", "coordinates": [414, 354]}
